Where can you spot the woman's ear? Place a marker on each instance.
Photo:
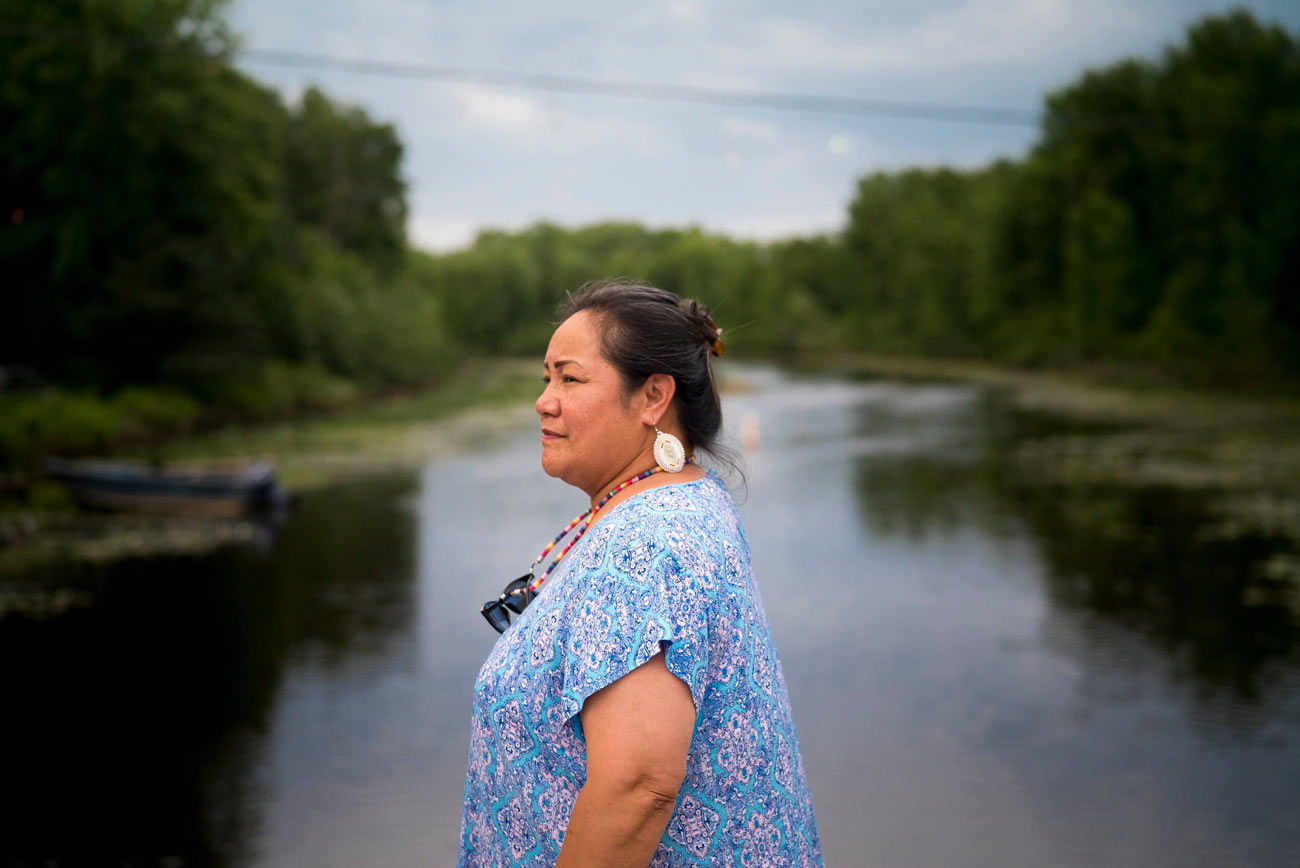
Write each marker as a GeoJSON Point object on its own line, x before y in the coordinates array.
{"type": "Point", "coordinates": [658, 391]}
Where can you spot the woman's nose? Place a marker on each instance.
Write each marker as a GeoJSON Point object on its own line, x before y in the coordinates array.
{"type": "Point", "coordinates": [546, 404]}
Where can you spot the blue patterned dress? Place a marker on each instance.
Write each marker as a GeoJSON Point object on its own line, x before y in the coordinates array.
{"type": "Point", "coordinates": [667, 569]}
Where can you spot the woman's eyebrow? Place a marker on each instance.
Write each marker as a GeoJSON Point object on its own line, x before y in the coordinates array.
{"type": "Point", "coordinates": [559, 363]}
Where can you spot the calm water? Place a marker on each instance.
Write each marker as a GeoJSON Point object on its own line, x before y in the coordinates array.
{"type": "Point", "coordinates": [985, 669]}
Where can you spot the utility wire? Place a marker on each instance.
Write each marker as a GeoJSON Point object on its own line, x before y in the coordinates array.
{"type": "Point", "coordinates": [1136, 122]}
{"type": "Point", "coordinates": [804, 102]}
{"type": "Point", "coordinates": [758, 99]}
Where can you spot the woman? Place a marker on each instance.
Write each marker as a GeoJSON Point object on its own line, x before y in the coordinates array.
{"type": "Point", "coordinates": [635, 713]}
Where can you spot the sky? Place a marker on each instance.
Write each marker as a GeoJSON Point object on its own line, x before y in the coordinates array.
{"type": "Point", "coordinates": [483, 155]}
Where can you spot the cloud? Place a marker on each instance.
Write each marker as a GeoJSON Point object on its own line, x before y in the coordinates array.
{"type": "Point", "coordinates": [479, 154]}
{"type": "Point", "coordinates": [438, 233]}
{"type": "Point", "coordinates": [774, 226]}
{"type": "Point", "coordinates": [498, 110]}
{"type": "Point", "coordinates": [970, 35]}
{"type": "Point", "coordinates": [499, 122]}
{"type": "Point", "coordinates": [683, 10]}
{"type": "Point", "coordinates": [747, 128]}
{"type": "Point", "coordinates": [997, 32]}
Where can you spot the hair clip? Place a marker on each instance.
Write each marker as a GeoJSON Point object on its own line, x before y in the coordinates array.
{"type": "Point", "coordinates": [716, 346]}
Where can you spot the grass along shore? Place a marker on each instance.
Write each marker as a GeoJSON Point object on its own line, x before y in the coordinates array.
{"type": "Point", "coordinates": [1248, 447]}
{"type": "Point", "coordinates": [1159, 434]}
{"type": "Point", "coordinates": [390, 434]}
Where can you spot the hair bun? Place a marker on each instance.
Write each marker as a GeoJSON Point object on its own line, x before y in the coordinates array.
{"type": "Point", "coordinates": [710, 334]}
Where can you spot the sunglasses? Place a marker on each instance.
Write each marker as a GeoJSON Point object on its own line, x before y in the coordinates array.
{"type": "Point", "coordinates": [514, 598]}
{"type": "Point", "coordinates": [519, 593]}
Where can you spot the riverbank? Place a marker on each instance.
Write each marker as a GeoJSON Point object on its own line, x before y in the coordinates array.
{"type": "Point", "coordinates": [1138, 433]}
{"type": "Point", "coordinates": [395, 433]}
{"type": "Point", "coordinates": [1239, 453]}
{"type": "Point", "coordinates": [1157, 436]}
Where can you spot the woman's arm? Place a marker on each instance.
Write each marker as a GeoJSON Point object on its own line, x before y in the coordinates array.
{"type": "Point", "coordinates": [638, 732]}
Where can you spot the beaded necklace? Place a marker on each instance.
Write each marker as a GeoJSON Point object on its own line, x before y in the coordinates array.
{"type": "Point", "coordinates": [585, 519]}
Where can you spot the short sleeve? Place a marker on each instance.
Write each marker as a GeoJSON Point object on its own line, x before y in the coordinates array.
{"type": "Point", "coordinates": [636, 599]}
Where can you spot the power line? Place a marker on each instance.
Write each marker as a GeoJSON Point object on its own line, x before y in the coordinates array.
{"type": "Point", "coordinates": [734, 98]}
{"type": "Point", "coordinates": [1136, 122]}
{"type": "Point", "coordinates": [803, 102]}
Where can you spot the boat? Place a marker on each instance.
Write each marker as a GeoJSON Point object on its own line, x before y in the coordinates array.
{"type": "Point", "coordinates": [218, 489]}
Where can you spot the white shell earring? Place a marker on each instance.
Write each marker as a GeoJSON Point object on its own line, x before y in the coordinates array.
{"type": "Point", "coordinates": [669, 452]}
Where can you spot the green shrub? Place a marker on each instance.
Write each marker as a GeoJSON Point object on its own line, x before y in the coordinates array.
{"type": "Point", "coordinates": [33, 425]}
{"type": "Point", "coordinates": [276, 388]}
{"type": "Point", "coordinates": [157, 410]}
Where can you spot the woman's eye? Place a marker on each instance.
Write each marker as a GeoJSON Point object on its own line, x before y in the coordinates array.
{"type": "Point", "coordinates": [570, 379]}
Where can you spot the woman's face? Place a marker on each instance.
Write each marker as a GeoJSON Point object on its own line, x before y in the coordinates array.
{"type": "Point", "coordinates": [591, 431]}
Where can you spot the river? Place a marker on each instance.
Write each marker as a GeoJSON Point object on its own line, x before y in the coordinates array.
{"type": "Point", "coordinates": [987, 667]}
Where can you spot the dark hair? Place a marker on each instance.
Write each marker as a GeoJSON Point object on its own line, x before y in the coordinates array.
{"type": "Point", "coordinates": [653, 331]}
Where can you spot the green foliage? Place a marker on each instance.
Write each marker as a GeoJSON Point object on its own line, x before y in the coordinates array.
{"type": "Point", "coordinates": [64, 421]}
{"type": "Point", "coordinates": [157, 410]}
{"type": "Point", "coordinates": [912, 237]}
{"type": "Point", "coordinates": [78, 421]}
{"type": "Point", "coordinates": [172, 221]}
{"type": "Point", "coordinates": [342, 176]}
{"type": "Point", "coordinates": [1172, 224]}
{"type": "Point", "coordinates": [500, 294]}
{"type": "Point", "coordinates": [277, 387]}
{"type": "Point", "coordinates": [1154, 226]}
{"type": "Point", "coordinates": [179, 239]}
{"type": "Point", "coordinates": [140, 175]}
{"type": "Point", "coordinates": [1155, 223]}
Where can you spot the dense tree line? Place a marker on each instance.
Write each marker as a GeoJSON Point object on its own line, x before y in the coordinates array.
{"type": "Point", "coordinates": [1154, 225]}
{"type": "Point", "coordinates": [171, 220]}
{"type": "Point", "coordinates": [168, 220]}
{"type": "Point", "coordinates": [1158, 218]}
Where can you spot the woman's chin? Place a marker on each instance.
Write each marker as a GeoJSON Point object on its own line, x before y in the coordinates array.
{"type": "Point", "coordinates": [551, 465]}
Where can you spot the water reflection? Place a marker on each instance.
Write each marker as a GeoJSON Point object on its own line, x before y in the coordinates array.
{"type": "Point", "coordinates": [1153, 561]}
{"type": "Point", "coordinates": [991, 668]}
{"type": "Point", "coordinates": [135, 728]}
{"type": "Point", "coordinates": [988, 666]}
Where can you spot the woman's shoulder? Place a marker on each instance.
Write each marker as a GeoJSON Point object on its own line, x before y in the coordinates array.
{"type": "Point", "coordinates": [699, 503]}
{"type": "Point", "coordinates": [694, 499]}
{"type": "Point", "coordinates": [693, 523]}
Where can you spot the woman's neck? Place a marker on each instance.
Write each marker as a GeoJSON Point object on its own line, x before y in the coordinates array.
{"type": "Point", "coordinates": [689, 473]}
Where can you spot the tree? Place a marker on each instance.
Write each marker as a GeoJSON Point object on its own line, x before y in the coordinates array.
{"type": "Point", "coordinates": [343, 176]}
{"type": "Point", "coordinates": [140, 174]}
